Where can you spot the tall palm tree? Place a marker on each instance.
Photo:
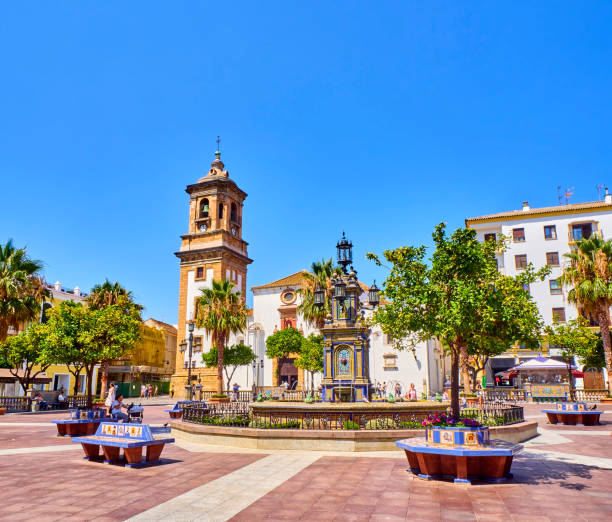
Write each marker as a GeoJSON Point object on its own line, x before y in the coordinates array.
{"type": "Point", "coordinates": [101, 296]}
{"type": "Point", "coordinates": [107, 294]}
{"type": "Point", "coordinates": [221, 312]}
{"type": "Point", "coordinates": [22, 290]}
{"type": "Point", "coordinates": [589, 276]}
{"type": "Point", "coordinates": [322, 273]}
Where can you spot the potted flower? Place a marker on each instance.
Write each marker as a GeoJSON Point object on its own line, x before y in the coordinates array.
{"type": "Point", "coordinates": [444, 429]}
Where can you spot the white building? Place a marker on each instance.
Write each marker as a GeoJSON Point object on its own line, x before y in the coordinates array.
{"type": "Point", "coordinates": [542, 236]}
{"type": "Point", "coordinates": [275, 307]}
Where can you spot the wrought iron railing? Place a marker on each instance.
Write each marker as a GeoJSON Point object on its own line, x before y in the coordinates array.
{"type": "Point", "coordinates": [240, 415]}
{"type": "Point", "coordinates": [494, 414]}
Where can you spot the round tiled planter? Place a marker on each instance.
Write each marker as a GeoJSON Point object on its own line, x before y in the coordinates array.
{"type": "Point", "coordinates": [456, 436]}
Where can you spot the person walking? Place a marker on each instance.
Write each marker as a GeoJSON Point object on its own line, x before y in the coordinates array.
{"type": "Point", "coordinates": [155, 391]}
{"type": "Point", "coordinates": [172, 391]}
{"type": "Point", "coordinates": [150, 389]}
{"type": "Point", "coordinates": [384, 388]}
{"type": "Point", "coordinates": [398, 390]}
{"type": "Point", "coordinates": [110, 397]}
{"type": "Point", "coordinates": [142, 391]}
{"type": "Point", "coordinates": [235, 391]}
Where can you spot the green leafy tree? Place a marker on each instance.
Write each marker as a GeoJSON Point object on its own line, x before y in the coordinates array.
{"type": "Point", "coordinates": [233, 357]}
{"type": "Point", "coordinates": [589, 277]}
{"type": "Point", "coordinates": [221, 312]}
{"type": "Point", "coordinates": [461, 299]}
{"type": "Point", "coordinates": [83, 336]}
{"type": "Point", "coordinates": [283, 343]}
{"type": "Point", "coordinates": [597, 358]}
{"type": "Point", "coordinates": [24, 353]}
{"type": "Point", "coordinates": [109, 294]}
{"type": "Point", "coordinates": [22, 290]}
{"type": "Point", "coordinates": [574, 339]}
{"type": "Point", "coordinates": [321, 275]}
{"type": "Point", "coordinates": [64, 322]}
{"type": "Point", "coordinates": [310, 358]}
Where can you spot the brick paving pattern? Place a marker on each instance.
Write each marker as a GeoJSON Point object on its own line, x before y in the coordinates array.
{"type": "Point", "coordinates": [60, 485]}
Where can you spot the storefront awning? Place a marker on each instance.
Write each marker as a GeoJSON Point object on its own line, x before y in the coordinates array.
{"type": "Point", "coordinates": [7, 377]}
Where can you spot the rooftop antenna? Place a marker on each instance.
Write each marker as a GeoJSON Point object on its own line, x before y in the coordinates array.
{"type": "Point", "coordinates": [559, 197]}
{"type": "Point", "coordinates": [568, 194]}
{"type": "Point", "coordinates": [599, 187]}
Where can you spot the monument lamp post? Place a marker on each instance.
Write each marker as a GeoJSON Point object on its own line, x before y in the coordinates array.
{"type": "Point", "coordinates": [182, 347]}
{"type": "Point", "coordinates": [373, 297]}
{"type": "Point", "coordinates": [345, 252]}
{"type": "Point", "coordinates": [319, 296]}
{"type": "Point", "coordinates": [339, 289]}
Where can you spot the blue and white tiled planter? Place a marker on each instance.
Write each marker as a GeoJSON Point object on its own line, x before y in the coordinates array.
{"type": "Point", "coordinates": [455, 436]}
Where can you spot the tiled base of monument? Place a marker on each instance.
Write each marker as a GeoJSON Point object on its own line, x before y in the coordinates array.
{"type": "Point", "coordinates": [464, 454]}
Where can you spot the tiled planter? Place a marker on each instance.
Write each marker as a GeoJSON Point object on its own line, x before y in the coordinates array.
{"type": "Point", "coordinates": [460, 453]}
{"type": "Point", "coordinates": [454, 436]}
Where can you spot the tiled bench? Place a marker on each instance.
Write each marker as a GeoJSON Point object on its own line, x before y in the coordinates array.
{"type": "Point", "coordinates": [177, 411]}
{"type": "Point", "coordinates": [572, 413]}
{"type": "Point", "coordinates": [131, 437]}
{"type": "Point", "coordinates": [81, 422]}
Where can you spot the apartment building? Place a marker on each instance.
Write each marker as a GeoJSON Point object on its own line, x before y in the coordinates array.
{"type": "Point", "coordinates": [542, 236]}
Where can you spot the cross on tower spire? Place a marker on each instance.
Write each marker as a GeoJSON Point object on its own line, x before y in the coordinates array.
{"type": "Point", "coordinates": [218, 145]}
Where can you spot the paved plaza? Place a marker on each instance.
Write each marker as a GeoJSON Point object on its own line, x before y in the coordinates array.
{"type": "Point", "coordinates": [564, 474]}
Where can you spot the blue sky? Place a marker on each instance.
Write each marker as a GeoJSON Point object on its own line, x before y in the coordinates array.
{"type": "Point", "coordinates": [378, 118]}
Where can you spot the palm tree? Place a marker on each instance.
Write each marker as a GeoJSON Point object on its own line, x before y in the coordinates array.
{"type": "Point", "coordinates": [107, 294]}
{"type": "Point", "coordinates": [22, 290]}
{"type": "Point", "coordinates": [321, 276]}
{"type": "Point", "coordinates": [589, 276]}
{"type": "Point", "coordinates": [101, 296]}
{"type": "Point", "coordinates": [221, 312]}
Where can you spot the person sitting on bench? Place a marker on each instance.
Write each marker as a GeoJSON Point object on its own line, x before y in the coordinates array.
{"type": "Point", "coordinates": [42, 405]}
{"type": "Point", "coordinates": [116, 409]}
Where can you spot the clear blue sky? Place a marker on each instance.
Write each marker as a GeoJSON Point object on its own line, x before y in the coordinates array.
{"type": "Point", "coordinates": [379, 118]}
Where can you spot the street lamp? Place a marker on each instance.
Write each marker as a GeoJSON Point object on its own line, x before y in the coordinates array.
{"type": "Point", "coordinates": [373, 297]}
{"type": "Point", "coordinates": [319, 296]}
{"type": "Point", "coordinates": [256, 365]}
{"type": "Point", "coordinates": [345, 252]}
{"type": "Point", "coordinates": [182, 348]}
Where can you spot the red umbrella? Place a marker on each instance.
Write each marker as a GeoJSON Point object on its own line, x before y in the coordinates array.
{"type": "Point", "coordinates": [578, 374]}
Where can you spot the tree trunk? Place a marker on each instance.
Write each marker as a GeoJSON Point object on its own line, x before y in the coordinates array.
{"type": "Point", "coordinates": [76, 373]}
{"type": "Point", "coordinates": [604, 327]}
{"type": "Point", "coordinates": [465, 370]}
{"type": "Point", "coordinates": [455, 410]}
{"type": "Point", "coordinates": [220, 348]}
{"type": "Point", "coordinates": [89, 373]}
{"type": "Point", "coordinates": [572, 393]}
{"type": "Point", "coordinates": [104, 369]}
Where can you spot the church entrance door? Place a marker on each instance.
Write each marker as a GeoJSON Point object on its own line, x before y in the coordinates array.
{"type": "Point", "coordinates": [288, 373]}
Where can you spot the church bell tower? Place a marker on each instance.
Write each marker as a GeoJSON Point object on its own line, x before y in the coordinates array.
{"type": "Point", "coordinates": [212, 249]}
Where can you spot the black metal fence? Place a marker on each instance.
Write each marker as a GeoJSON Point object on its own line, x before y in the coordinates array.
{"type": "Point", "coordinates": [495, 414]}
{"type": "Point", "coordinates": [276, 393]}
{"type": "Point", "coordinates": [240, 415]}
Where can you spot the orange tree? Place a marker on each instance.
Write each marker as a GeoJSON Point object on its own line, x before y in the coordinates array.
{"type": "Point", "coordinates": [460, 298]}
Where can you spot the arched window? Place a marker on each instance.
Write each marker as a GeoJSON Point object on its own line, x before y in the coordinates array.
{"type": "Point", "coordinates": [204, 208]}
{"type": "Point", "coordinates": [234, 213]}
{"type": "Point", "coordinates": [220, 210]}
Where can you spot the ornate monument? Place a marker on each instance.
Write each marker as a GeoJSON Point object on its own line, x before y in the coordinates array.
{"type": "Point", "coordinates": [346, 337]}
